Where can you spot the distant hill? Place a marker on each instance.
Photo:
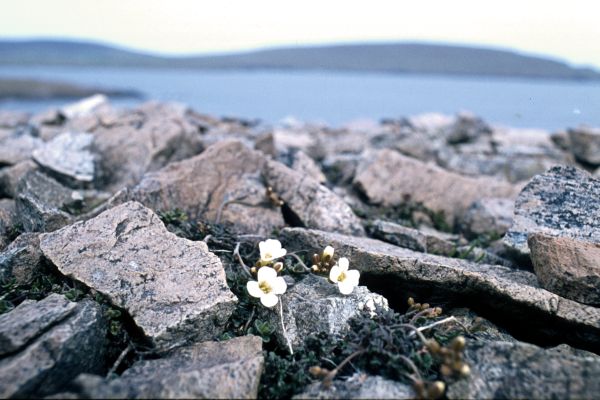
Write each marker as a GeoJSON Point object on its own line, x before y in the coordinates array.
{"type": "Point", "coordinates": [384, 58]}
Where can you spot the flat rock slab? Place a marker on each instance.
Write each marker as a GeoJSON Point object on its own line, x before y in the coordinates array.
{"type": "Point", "coordinates": [524, 371]}
{"type": "Point", "coordinates": [506, 291]}
{"type": "Point", "coordinates": [173, 288]}
{"type": "Point", "coordinates": [223, 183]}
{"type": "Point", "coordinates": [359, 386]}
{"type": "Point", "coordinates": [68, 157]}
{"type": "Point", "coordinates": [568, 267]}
{"type": "Point", "coordinates": [209, 370]}
{"type": "Point", "coordinates": [17, 147]}
{"type": "Point", "coordinates": [564, 201]}
{"type": "Point", "coordinates": [316, 305]}
{"type": "Point", "coordinates": [425, 241]}
{"type": "Point", "coordinates": [50, 343]}
{"type": "Point", "coordinates": [388, 178]}
{"type": "Point", "coordinates": [312, 204]}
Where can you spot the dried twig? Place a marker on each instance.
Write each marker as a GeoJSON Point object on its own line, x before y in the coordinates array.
{"type": "Point", "coordinates": [236, 253]}
{"type": "Point", "coordinates": [120, 359]}
{"type": "Point", "coordinates": [283, 327]}
{"type": "Point", "coordinates": [306, 269]}
{"type": "Point", "coordinates": [331, 374]}
{"type": "Point", "coordinates": [443, 321]}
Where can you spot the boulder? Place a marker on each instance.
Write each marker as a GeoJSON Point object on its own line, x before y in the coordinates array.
{"type": "Point", "coordinates": [173, 288]}
{"type": "Point", "coordinates": [13, 119]}
{"type": "Point", "coordinates": [222, 184]}
{"type": "Point", "coordinates": [67, 157]}
{"type": "Point", "coordinates": [8, 221]}
{"type": "Point", "coordinates": [585, 144]}
{"type": "Point", "coordinates": [524, 371]}
{"type": "Point", "coordinates": [306, 166]}
{"type": "Point", "coordinates": [209, 370]}
{"type": "Point", "coordinates": [359, 386]}
{"type": "Point", "coordinates": [316, 305]}
{"type": "Point", "coordinates": [21, 260]}
{"type": "Point", "coordinates": [568, 267]}
{"type": "Point", "coordinates": [466, 128]}
{"type": "Point", "coordinates": [425, 240]}
{"type": "Point", "coordinates": [561, 202]}
{"type": "Point", "coordinates": [488, 216]}
{"type": "Point", "coordinates": [312, 204]}
{"type": "Point", "coordinates": [42, 203]}
{"type": "Point", "coordinates": [47, 343]}
{"type": "Point", "coordinates": [502, 291]}
{"type": "Point", "coordinates": [388, 178]}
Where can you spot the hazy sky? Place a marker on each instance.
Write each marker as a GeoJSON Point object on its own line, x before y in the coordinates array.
{"type": "Point", "coordinates": [567, 29]}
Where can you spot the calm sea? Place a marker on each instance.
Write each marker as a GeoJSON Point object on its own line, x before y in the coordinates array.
{"type": "Point", "coordinates": [337, 98]}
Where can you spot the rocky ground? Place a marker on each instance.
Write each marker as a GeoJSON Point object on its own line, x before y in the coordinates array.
{"type": "Point", "coordinates": [126, 238]}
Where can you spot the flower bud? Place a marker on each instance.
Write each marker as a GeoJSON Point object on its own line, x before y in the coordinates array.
{"type": "Point", "coordinates": [465, 370]}
{"type": "Point", "coordinates": [328, 253]}
{"type": "Point", "coordinates": [436, 389]}
{"type": "Point", "coordinates": [458, 343]}
{"type": "Point", "coordinates": [411, 302]}
{"type": "Point", "coordinates": [278, 266]}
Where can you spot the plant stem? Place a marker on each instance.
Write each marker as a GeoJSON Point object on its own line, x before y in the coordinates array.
{"type": "Point", "coordinates": [283, 327]}
{"type": "Point", "coordinates": [443, 321]}
{"type": "Point", "coordinates": [236, 252]}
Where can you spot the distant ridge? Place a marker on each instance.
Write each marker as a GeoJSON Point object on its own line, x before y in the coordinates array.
{"type": "Point", "coordinates": [398, 58]}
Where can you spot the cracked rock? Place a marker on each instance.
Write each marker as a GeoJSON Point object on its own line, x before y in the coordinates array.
{"type": "Point", "coordinates": [173, 288]}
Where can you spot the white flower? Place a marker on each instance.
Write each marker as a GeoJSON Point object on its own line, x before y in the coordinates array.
{"type": "Point", "coordinates": [270, 250]}
{"type": "Point", "coordinates": [328, 253]}
{"type": "Point", "coordinates": [346, 279]}
{"type": "Point", "coordinates": [267, 288]}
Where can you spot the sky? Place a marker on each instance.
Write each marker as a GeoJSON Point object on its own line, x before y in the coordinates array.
{"type": "Point", "coordinates": [567, 30]}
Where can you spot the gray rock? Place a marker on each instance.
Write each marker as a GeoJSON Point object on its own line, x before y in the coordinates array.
{"type": "Point", "coordinates": [561, 139]}
{"type": "Point", "coordinates": [173, 288]}
{"type": "Point", "coordinates": [568, 267]}
{"type": "Point", "coordinates": [306, 166]}
{"type": "Point", "coordinates": [359, 386]}
{"type": "Point", "coordinates": [209, 370]}
{"type": "Point", "coordinates": [223, 183]}
{"type": "Point", "coordinates": [466, 128]}
{"type": "Point", "coordinates": [426, 241]}
{"type": "Point", "coordinates": [521, 370]}
{"type": "Point", "coordinates": [21, 260]}
{"type": "Point", "coordinates": [316, 305]}
{"type": "Point", "coordinates": [42, 203]}
{"type": "Point", "coordinates": [8, 219]}
{"type": "Point", "coordinates": [585, 144]}
{"type": "Point", "coordinates": [388, 178]}
{"type": "Point", "coordinates": [29, 320]}
{"type": "Point", "coordinates": [18, 147]}
{"type": "Point", "coordinates": [488, 216]}
{"type": "Point", "coordinates": [61, 340]}
{"type": "Point", "coordinates": [561, 202]}
{"type": "Point", "coordinates": [13, 119]}
{"type": "Point", "coordinates": [144, 140]}
{"type": "Point", "coordinates": [67, 157]}
{"type": "Point", "coordinates": [479, 328]}
{"type": "Point", "coordinates": [84, 106]}
{"type": "Point", "coordinates": [312, 204]}
{"type": "Point", "coordinates": [10, 177]}
{"type": "Point", "coordinates": [504, 291]}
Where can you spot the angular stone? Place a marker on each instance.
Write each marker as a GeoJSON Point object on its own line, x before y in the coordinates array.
{"type": "Point", "coordinates": [131, 147]}
{"type": "Point", "coordinates": [223, 183]}
{"type": "Point", "coordinates": [312, 204]}
{"type": "Point", "coordinates": [173, 288]}
{"type": "Point", "coordinates": [10, 177]}
{"type": "Point", "coordinates": [524, 371]}
{"type": "Point", "coordinates": [316, 305]}
{"type": "Point", "coordinates": [8, 220]}
{"type": "Point", "coordinates": [466, 128]}
{"type": "Point", "coordinates": [488, 216]}
{"type": "Point", "coordinates": [209, 370]}
{"type": "Point", "coordinates": [21, 260]}
{"type": "Point", "coordinates": [561, 202]}
{"type": "Point", "coordinates": [29, 320]}
{"type": "Point", "coordinates": [306, 166]}
{"type": "Point", "coordinates": [425, 241]}
{"type": "Point", "coordinates": [388, 178]}
{"type": "Point", "coordinates": [568, 267]}
{"type": "Point", "coordinates": [42, 203]}
{"type": "Point", "coordinates": [504, 291]}
{"type": "Point", "coordinates": [18, 147]}
{"type": "Point", "coordinates": [359, 386]}
{"type": "Point", "coordinates": [62, 340]}
{"type": "Point", "coordinates": [585, 144]}
{"type": "Point", "coordinates": [67, 157]}
{"type": "Point", "coordinates": [13, 119]}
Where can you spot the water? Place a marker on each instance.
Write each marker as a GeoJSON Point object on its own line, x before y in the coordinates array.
{"type": "Point", "coordinates": [337, 98]}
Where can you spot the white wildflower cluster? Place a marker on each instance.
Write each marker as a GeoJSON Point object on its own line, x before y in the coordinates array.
{"type": "Point", "coordinates": [269, 286]}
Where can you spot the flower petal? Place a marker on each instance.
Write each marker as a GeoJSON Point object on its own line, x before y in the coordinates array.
{"type": "Point", "coordinates": [353, 276]}
{"type": "Point", "coordinates": [266, 274]}
{"type": "Point", "coordinates": [334, 273]}
{"type": "Point", "coordinates": [344, 263]}
{"type": "Point", "coordinates": [253, 289]}
{"type": "Point", "coordinates": [269, 300]}
{"type": "Point", "coordinates": [279, 286]}
{"type": "Point", "coordinates": [279, 253]}
{"type": "Point", "coordinates": [345, 287]}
